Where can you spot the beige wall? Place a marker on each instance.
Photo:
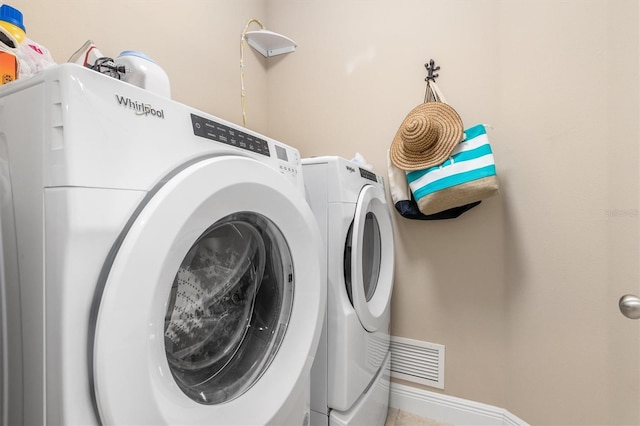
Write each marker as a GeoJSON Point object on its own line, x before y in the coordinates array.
{"type": "Point", "coordinates": [523, 289]}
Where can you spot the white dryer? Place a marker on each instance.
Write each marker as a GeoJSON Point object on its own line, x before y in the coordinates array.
{"type": "Point", "coordinates": [160, 265]}
{"type": "Point", "coordinates": [350, 376]}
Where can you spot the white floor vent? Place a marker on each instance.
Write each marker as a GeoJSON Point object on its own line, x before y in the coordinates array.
{"type": "Point", "coordinates": [417, 361]}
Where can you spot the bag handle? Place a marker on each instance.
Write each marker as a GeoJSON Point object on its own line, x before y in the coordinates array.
{"type": "Point", "coordinates": [433, 93]}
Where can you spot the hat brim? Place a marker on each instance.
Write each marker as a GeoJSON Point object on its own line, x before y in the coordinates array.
{"type": "Point", "coordinates": [450, 133]}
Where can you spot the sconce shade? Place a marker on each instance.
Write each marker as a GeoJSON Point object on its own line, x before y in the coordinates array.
{"type": "Point", "coordinates": [269, 43]}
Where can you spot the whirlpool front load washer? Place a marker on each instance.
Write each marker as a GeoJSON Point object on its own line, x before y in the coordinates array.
{"type": "Point", "coordinates": [350, 376]}
{"type": "Point", "coordinates": [160, 265]}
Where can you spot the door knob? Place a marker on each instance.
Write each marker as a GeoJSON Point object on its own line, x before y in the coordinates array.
{"type": "Point", "coordinates": [630, 306]}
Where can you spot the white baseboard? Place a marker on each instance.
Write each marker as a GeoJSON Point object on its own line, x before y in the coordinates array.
{"type": "Point", "coordinates": [449, 409]}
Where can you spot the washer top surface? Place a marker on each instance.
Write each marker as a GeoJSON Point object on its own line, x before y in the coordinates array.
{"type": "Point", "coordinates": [104, 133]}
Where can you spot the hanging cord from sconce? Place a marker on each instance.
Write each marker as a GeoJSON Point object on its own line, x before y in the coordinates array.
{"type": "Point", "coordinates": [242, 45]}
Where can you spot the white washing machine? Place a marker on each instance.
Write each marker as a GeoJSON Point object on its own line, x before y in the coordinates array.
{"type": "Point", "coordinates": [160, 265]}
{"type": "Point", "coordinates": [350, 376]}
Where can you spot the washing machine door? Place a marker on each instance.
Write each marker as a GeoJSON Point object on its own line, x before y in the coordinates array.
{"type": "Point", "coordinates": [211, 302]}
{"type": "Point", "coordinates": [369, 258]}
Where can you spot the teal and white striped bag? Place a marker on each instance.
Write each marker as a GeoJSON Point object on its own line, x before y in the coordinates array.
{"type": "Point", "coordinates": [467, 176]}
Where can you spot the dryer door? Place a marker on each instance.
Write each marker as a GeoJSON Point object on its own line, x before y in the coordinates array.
{"type": "Point", "coordinates": [211, 302]}
{"type": "Point", "coordinates": [369, 258]}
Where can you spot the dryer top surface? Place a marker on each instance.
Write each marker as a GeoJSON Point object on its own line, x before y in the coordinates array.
{"type": "Point", "coordinates": [341, 179]}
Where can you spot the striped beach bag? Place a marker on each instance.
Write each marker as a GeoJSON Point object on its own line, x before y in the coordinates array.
{"type": "Point", "coordinates": [467, 176]}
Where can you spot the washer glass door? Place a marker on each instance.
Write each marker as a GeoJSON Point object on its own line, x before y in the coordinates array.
{"type": "Point", "coordinates": [228, 308]}
{"type": "Point", "coordinates": [210, 301]}
{"type": "Point", "coordinates": [368, 258]}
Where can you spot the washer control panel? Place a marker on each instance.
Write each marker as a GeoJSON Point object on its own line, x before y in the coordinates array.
{"type": "Point", "coordinates": [289, 163]}
{"type": "Point", "coordinates": [219, 132]}
{"type": "Point", "coordinates": [285, 158]}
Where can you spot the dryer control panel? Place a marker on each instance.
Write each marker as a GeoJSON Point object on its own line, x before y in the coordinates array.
{"type": "Point", "coordinates": [368, 174]}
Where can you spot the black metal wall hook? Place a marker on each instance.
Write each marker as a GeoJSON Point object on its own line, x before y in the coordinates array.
{"type": "Point", "coordinates": [431, 69]}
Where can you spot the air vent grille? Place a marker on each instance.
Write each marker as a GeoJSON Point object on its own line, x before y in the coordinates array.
{"type": "Point", "coordinates": [417, 361]}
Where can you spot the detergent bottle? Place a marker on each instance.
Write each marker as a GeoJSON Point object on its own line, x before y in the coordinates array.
{"type": "Point", "coordinates": [12, 30]}
{"type": "Point", "coordinates": [12, 33]}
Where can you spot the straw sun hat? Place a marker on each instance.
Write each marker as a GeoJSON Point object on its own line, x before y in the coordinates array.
{"type": "Point", "coordinates": [426, 137]}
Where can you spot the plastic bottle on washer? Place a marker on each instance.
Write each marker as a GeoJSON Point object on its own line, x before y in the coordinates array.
{"type": "Point", "coordinates": [142, 71]}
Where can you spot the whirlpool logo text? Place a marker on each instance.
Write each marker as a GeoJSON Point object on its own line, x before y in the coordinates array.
{"type": "Point", "coordinates": [140, 107]}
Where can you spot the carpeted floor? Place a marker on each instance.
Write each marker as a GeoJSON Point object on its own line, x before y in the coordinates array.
{"type": "Point", "coordinates": [402, 418]}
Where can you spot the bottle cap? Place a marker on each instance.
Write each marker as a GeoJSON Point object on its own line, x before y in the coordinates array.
{"type": "Point", "coordinates": [136, 54]}
{"type": "Point", "coordinates": [11, 20]}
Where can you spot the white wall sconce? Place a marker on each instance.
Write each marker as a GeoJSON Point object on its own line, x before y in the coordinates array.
{"type": "Point", "coordinates": [268, 44]}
